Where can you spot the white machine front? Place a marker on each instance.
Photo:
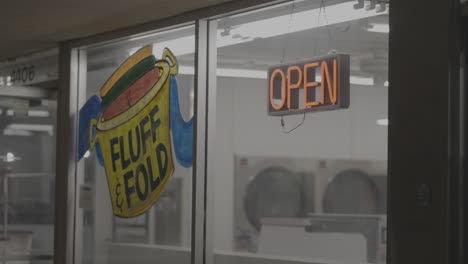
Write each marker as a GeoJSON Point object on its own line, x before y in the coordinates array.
{"type": "Point", "coordinates": [312, 209]}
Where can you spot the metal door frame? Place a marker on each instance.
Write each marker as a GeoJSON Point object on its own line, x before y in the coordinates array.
{"type": "Point", "coordinates": [425, 133]}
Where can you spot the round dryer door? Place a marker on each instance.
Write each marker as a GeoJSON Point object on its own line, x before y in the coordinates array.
{"type": "Point", "coordinates": [273, 192]}
{"type": "Point", "coordinates": [351, 192]}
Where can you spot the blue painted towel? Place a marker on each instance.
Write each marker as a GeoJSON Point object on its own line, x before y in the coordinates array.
{"type": "Point", "coordinates": [182, 132]}
{"type": "Point", "coordinates": [91, 109]}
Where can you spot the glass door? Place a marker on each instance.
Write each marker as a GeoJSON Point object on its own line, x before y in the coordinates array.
{"type": "Point", "coordinates": [304, 185]}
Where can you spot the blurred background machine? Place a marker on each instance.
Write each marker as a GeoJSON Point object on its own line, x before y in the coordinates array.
{"type": "Point", "coordinates": [159, 225]}
{"type": "Point", "coordinates": [329, 209]}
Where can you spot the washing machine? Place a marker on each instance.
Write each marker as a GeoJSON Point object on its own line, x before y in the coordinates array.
{"type": "Point", "coordinates": [335, 194]}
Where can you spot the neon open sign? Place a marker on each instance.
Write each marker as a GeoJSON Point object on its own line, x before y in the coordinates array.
{"type": "Point", "coordinates": [318, 84]}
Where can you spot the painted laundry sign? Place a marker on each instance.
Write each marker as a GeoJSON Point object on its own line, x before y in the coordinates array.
{"type": "Point", "coordinates": [134, 125]}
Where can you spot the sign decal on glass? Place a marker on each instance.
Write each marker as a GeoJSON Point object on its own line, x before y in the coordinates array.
{"type": "Point", "coordinates": [130, 126]}
{"type": "Point", "coordinates": [29, 70]}
{"type": "Point", "coordinates": [318, 84]}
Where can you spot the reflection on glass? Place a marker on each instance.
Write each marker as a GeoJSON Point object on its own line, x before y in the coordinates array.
{"type": "Point", "coordinates": [301, 187]}
{"type": "Point", "coordinates": [27, 178]}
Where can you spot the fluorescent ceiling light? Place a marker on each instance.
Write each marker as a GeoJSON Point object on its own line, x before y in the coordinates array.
{"type": "Point", "coordinates": [179, 46]}
{"type": "Point", "coordinates": [38, 113]}
{"type": "Point", "coordinates": [16, 132]}
{"type": "Point", "coordinates": [188, 70]}
{"type": "Point", "coordinates": [31, 127]}
{"type": "Point", "coordinates": [255, 74]}
{"type": "Point", "coordinates": [379, 28]}
{"type": "Point", "coordinates": [358, 80]}
{"type": "Point", "coordinates": [32, 113]}
{"type": "Point", "coordinates": [353, 79]}
{"type": "Point", "coordinates": [382, 122]}
{"type": "Point", "coordinates": [228, 72]}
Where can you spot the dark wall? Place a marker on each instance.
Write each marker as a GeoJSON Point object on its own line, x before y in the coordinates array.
{"type": "Point", "coordinates": [423, 132]}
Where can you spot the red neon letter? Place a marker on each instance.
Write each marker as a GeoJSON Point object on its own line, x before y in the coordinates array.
{"type": "Point", "coordinates": [283, 89]}
{"type": "Point", "coordinates": [308, 84]}
{"type": "Point", "coordinates": [293, 86]}
{"type": "Point", "coordinates": [326, 80]}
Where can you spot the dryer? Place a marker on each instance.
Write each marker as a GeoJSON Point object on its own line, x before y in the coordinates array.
{"type": "Point", "coordinates": [275, 187]}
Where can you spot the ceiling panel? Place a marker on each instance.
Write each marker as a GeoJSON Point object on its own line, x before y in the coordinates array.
{"type": "Point", "coordinates": [30, 26]}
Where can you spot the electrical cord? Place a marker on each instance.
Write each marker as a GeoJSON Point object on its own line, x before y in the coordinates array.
{"type": "Point", "coordinates": [293, 6]}
{"type": "Point", "coordinates": [294, 128]}
{"type": "Point", "coordinates": [327, 26]}
{"type": "Point", "coordinates": [330, 38]}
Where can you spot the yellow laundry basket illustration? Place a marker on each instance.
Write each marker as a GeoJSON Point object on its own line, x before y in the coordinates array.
{"type": "Point", "coordinates": [134, 133]}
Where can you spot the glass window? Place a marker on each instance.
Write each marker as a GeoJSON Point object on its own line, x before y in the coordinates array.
{"type": "Point", "coordinates": [305, 187]}
{"type": "Point", "coordinates": [134, 176]}
{"type": "Point", "coordinates": [27, 177]}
